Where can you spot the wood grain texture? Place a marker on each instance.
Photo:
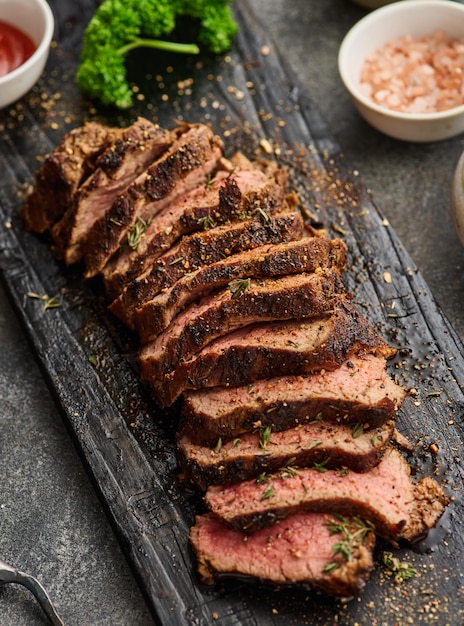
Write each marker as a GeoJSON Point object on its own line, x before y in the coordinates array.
{"type": "Point", "coordinates": [87, 358]}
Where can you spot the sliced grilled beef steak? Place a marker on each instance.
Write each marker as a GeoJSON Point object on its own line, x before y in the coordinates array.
{"type": "Point", "coordinates": [197, 250]}
{"type": "Point", "coordinates": [302, 549]}
{"type": "Point", "coordinates": [188, 163]}
{"type": "Point", "coordinates": [246, 457]}
{"type": "Point", "coordinates": [306, 255]}
{"type": "Point", "coordinates": [385, 496]}
{"type": "Point", "coordinates": [62, 172]}
{"type": "Point", "coordinates": [298, 295]}
{"type": "Point", "coordinates": [267, 350]}
{"type": "Point", "coordinates": [360, 390]}
{"type": "Point", "coordinates": [116, 168]}
{"type": "Point", "coordinates": [227, 197]}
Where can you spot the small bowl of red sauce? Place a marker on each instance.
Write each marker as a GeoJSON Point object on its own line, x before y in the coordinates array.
{"type": "Point", "coordinates": [403, 65]}
{"type": "Point", "coordinates": [26, 30]}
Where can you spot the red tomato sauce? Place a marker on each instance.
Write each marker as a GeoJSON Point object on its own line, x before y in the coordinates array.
{"type": "Point", "coordinates": [15, 48]}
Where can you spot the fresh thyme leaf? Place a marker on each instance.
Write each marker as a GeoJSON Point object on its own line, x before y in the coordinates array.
{"type": "Point", "coordinates": [207, 222]}
{"type": "Point", "coordinates": [268, 493]}
{"type": "Point", "coordinates": [51, 303]}
{"type": "Point", "coordinates": [264, 436]}
{"type": "Point", "coordinates": [314, 444]}
{"type": "Point", "coordinates": [239, 286]}
{"type": "Point", "coordinates": [288, 472]}
{"type": "Point", "coordinates": [330, 567]}
{"type": "Point", "coordinates": [321, 467]}
{"type": "Point", "coordinates": [176, 261]}
{"type": "Point", "coordinates": [317, 420]}
{"type": "Point", "coordinates": [264, 217]}
{"type": "Point", "coordinates": [218, 445]}
{"type": "Point", "coordinates": [262, 478]}
{"type": "Point", "coordinates": [208, 183]}
{"type": "Point", "coordinates": [357, 430]}
{"type": "Point", "coordinates": [235, 443]}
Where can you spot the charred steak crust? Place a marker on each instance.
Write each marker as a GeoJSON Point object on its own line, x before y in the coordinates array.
{"type": "Point", "coordinates": [115, 169]}
{"type": "Point", "coordinates": [332, 445]}
{"type": "Point", "coordinates": [198, 249]}
{"type": "Point", "coordinates": [303, 550]}
{"type": "Point", "coordinates": [306, 255]}
{"type": "Point", "coordinates": [360, 390]}
{"type": "Point", "coordinates": [271, 349]}
{"type": "Point", "coordinates": [188, 163]}
{"type": "Point", "coordinates": [295, 296]}
{"type": "Point", "coordinates": [385, 496]}
{"type": "Point", "coordinates": [62, 172]}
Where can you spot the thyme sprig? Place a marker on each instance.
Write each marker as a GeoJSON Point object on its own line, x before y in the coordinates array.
{"type": "Point", "coordinates": [207, 222]}
{"type": "Point", "coordinates": [50, 302]}
{"type": "Point", "coordinates": [401, 569]}
{"type": "Point", "coordinates": [269, 492]}
{"type": "Point", "coordinates": [353, 531]}
{"type": "Point", "coordinates": [262, 214]}
{"type": "Point", "coordinates": [239, 286]}
{"type": "Point", "coordinates": [136, 232]}
{"type": "Point", "coordinates": [264, 436]}
{"type": "Point", "coordinates": [357, 430]}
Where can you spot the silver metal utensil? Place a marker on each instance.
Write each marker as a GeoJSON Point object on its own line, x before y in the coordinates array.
{"type": "Point", "coordinates": [9, 574]}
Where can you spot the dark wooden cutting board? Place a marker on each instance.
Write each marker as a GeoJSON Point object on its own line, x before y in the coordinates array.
{"type": "Point", "coordinates": [254, 102]}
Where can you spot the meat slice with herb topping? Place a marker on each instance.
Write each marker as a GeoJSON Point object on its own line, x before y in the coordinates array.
{"type": "Point", "coordinates": [385, 496]}
{"type": "Point", "coordinates": [329, 553]}
{"type": "Point", "coordinates": [251, 454]}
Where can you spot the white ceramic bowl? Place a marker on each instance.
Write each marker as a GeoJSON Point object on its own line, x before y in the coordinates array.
{"type": "Point", "coordinates": [417, 18]}
{"type": "Point", "coordinates": [35, 18]}
{"type": "Point", "coordinates": [457, 198]}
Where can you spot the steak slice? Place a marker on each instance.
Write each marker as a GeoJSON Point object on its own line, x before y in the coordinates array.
{"type": "Point", "coordinates": [62, 172]}
{"type": "Point", "coordinates": [240, 459]}
{"type": "Point", "coordinates": [267, 350]}
{"type": "Point", "coordinates": [303, 549]}
{"type": "Point", "coordinates": [135, 147]}
{"type": "Point", "coordinates": [188, 163]}
{"type": "Point", "coordinates": [198, 249]}
{"type": "Point", "coordinates": [305, 255]}
{"type": "Point", "coordinates": [360, 390]}
{"type": "Point", "coordinates": [385, 496]}
{"type": "Point", "coordinates": [294, 296]}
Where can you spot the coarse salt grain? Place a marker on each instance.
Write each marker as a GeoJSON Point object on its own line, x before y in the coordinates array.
{"type": "Point", "coordinates": [418, 76]}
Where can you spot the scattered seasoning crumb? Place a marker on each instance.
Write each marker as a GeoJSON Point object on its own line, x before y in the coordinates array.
{"type": "Point", "coordinates": [266, 146]}
{"type": "Point", "coordinates": [387, 277]}
{"type": "Point", "coordinates": [385, 222]}
{"type": "Point", "coordinates": [265, 51]}
{"type": "Point", "coordinates": [434, 448]}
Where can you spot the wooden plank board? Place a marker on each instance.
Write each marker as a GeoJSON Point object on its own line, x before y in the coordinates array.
{"type": "Point", "coordinates": [86, 356]}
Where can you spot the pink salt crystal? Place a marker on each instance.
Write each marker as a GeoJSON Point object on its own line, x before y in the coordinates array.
{"type": "Point", "coordinates": [416, 75]}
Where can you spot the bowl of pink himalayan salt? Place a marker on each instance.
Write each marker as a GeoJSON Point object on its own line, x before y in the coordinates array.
{"type": "Point", "coordinates": [403, 65]}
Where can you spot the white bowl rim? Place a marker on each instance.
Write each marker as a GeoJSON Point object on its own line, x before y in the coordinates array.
{"type": "Point", "coordinates": [40, 50]}
{"type": "Point", "coordinates": [393, 8]}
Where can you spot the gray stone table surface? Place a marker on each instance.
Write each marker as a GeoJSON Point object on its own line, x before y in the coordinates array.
{"type": "Point", "coordinates": [51, 521]}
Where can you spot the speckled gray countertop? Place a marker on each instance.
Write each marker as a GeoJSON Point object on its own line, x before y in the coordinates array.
{"type": "Point", "coordinates": [51, 521]}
